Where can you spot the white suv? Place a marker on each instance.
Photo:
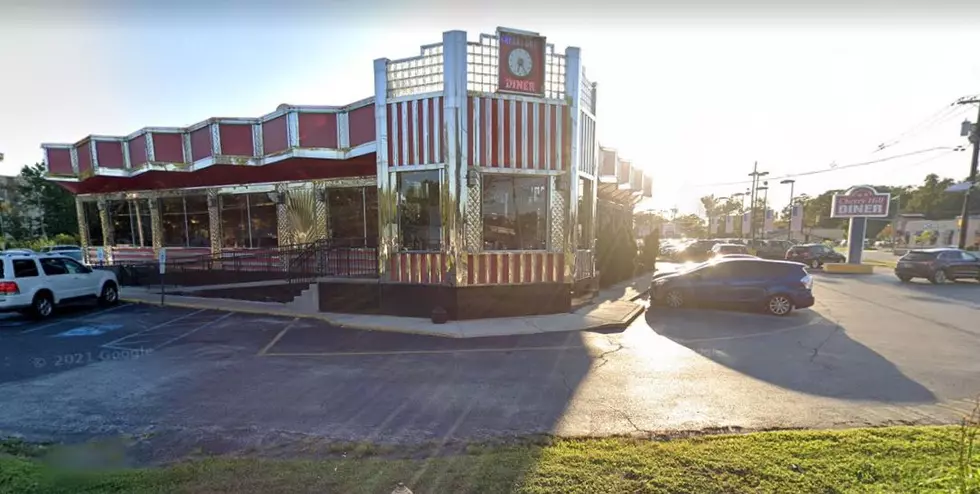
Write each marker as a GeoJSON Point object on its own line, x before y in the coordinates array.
{"type": "Point", "coordinates": [35, 283]}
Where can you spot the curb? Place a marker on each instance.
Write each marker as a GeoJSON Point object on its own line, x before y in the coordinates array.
{"type": "Point", "coordinates": [635, 313]}
{"type": "Point", "coordinates": [327, 319]}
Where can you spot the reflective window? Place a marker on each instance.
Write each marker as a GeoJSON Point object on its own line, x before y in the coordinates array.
{"type": "Point", "coordinates": [248, 221]}
{"type": "Point", "coordinates": [419, 223]}
{"type": "Point", "coordinates": [346, 213]}
{"type": "Point", "coordinates": [515, 212]}
{"type": "Point", "coordinates": [185, 221]}
{"type": "Point", "coordinates": [131, 222]}
{"type": "Point", "coordinates": [91, 210]}
{"type": "Point", "coordinates": [354, 215]}
{"type": "Point", "coordinates": [174, 227]}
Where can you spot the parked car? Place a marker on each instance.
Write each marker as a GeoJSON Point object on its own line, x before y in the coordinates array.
{"type": "Point", "coordinates": [697, 251]}
{"type": "Point", "coordinates": [36, 284]}
{"type": "Point", "coordinates": [774, 286]}
{"type": "Point", "coordinates": [72, 251]}
{"type": "Point", "coordinates": [938, 265]}
{"type": "Point", "coordinates": [719, 250]}
{"type": "Point", "coordinates": [814, 255]}
{"type": "Point", "coordinates": [774, 249]}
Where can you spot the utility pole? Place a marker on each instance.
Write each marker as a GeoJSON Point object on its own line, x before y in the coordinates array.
{"type": "Point", "coordinates": [971, 181]}
{"type": "Point", "coordinates": [754, 195]}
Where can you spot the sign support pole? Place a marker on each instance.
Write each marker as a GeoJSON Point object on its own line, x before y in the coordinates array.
{"type": "Point", "coordinates": [855, 239]}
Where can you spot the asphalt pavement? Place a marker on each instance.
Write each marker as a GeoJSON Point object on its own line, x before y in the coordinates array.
{"type": "Point", "coordinates": [872, 351]}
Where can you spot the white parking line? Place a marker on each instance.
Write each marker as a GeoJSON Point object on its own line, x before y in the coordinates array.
{"type": "Point", "coordinates": [185, 316]}
{"type": "Point", "coordinates": [73, 319]}
{"type": "Point", "coordinates": [222, 318]}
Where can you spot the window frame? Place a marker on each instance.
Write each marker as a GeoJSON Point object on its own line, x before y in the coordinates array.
{"type": "Point", "coordinates": [399, 210]}
{"type": "Point", "coordinates": [546, 211]}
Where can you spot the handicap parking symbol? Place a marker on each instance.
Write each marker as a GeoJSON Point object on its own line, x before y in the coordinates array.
{"type": "Point", "coordinates": [92, 330]}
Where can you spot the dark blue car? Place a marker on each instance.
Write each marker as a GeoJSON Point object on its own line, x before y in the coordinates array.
{"type": "Point", "coordinates": [774, 286]}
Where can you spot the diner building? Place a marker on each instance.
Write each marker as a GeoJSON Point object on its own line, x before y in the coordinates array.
{"type": "Point", "coordinates": [469, 180]}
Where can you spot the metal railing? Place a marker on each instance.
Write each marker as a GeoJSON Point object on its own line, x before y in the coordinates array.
{"type": "Point", "coordinates": [299, 263]}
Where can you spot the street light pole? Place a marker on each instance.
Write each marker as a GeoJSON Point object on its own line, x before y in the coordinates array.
{"type": "Point", "coordinates": [792, 184]}
{"type": "Point", "coordinates": [975, 139]}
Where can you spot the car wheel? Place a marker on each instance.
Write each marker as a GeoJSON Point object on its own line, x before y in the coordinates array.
{"type": "Point", "coordinates": [814, 264]}
{"type": "Point", "coordinates": [905, 279]}
{"type": "Point", "coordinates": [110, 294]}
{"type": "Point", "coordinates": [42, 306]}
{"type": "Point", "coordinates": [779, 305]}
{"type": "Point", "coordinates": [674, 299]}
{"type": "Point", "coordinates": [939, 277]}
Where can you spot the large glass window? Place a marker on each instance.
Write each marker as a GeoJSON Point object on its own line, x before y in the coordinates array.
{"type": "Point", "coordinates": [131, 222]}
{"type": "Point", "coordinates": [249, 220]}
{"type": "Point", "coordinates": [94, 221]}
{"type": "Point", "coordinates": [354, 215]}
{"type": "Point", "coordinates": [419, 223]}
{"type": "Point", "coordinates": [515, 212]}
{"type": "Point", "coordinates": [174, 227]}
{"type": "Point", "coordinates": [346, 213]}
{"type": "Point", "coordinates": [185, 221]}
{"type": "Point", "coordinates": [198, 221]}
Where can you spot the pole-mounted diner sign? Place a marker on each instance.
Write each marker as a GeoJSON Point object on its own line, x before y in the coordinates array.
{"type": "Point", "coordinates": [520, 69]}
{"type": "Point", "coordinates": [862, 201]}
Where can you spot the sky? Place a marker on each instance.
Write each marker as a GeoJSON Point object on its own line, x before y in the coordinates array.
{"type": "Point", "coordinates": [695, 91]}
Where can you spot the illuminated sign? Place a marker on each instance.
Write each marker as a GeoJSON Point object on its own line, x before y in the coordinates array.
{"type": "Point", "coordinates": [520, 68]}
{"type": "Point", "coordinates": [860, 202]}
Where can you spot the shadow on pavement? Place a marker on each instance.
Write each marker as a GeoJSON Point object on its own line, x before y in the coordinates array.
{"type": "Point", "coordinates": [950, 293]}
{"type": "Point", "coordinates": [803, 352]}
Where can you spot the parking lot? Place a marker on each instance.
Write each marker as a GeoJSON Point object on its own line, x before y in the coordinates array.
{"type": "Point", "coordinates": [871, 351]}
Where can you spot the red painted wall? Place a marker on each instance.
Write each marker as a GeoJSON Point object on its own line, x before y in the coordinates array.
{"type": "Point", "coordinates": [137, 151]}
{"type": "Point", "coordinates": [201, 143]}
{"type": "Point", "coordinates": [236, 139]}
{"type": "Point", "coordinates": [274, 136]}
{"type": "Point", "coordinates": [168, 148]}
{"type": "Point", "coordinates": [318, 130]}
{"type": "Point", "coordinates": [361, 125]}
{"type": "Point", "coordinates": [84, 158]}
{"type": "Point", "coordinates": [59, 162]}
{"type": "Point", "coordinates": [110, 154]}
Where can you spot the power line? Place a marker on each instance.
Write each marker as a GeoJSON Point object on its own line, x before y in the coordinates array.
{"type": "Point", "coordinates": [944, 114]}
{"type": "Point", "coordinates": [835, 167]}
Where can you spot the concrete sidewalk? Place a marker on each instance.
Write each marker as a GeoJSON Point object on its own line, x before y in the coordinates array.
{"type": "Point", "coordinates": [613, 308]}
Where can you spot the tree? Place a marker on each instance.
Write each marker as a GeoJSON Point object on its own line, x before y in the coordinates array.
{"type": "Point", "coordinates": [691, 225]}
{"type": "Point", "coordinates": [55, 205]}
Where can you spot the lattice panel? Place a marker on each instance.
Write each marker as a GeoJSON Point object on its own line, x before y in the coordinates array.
{"type": "Point", "coordinates": [156, 225]}
{"type": "Point", "coordinates": [108, 236]}
{"type": "Point", "coordinates": [283, 228]}
{"type": "Point", "coordinates": [83, 239]}
{"type": "Point", "coordinates": [588, 94]}
{"type": "Point", "coordinates": [473, 229]}
{"type": "Point", "coordinates": [482, 61]}
{"type": "Point", "coordinates": [557, 216]}
{"type": "Point", "coordinates": [214, 222]}
{"type": "Point", "coordinates": [417, 75]}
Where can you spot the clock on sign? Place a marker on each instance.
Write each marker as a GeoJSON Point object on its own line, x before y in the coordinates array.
{"type": "Point", "coordinates": [521, 68]}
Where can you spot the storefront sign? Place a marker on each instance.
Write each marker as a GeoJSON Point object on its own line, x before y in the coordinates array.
{"type": "Point", "coordinates": [860, 202]}
{"type": "Point", "coordinates": [522, 63]}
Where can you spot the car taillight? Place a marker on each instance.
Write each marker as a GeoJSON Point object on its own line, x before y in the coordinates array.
{"type": "Point", "coordinates": [9, 288]}
{"type": "Point", "coordinates": [807, 282]}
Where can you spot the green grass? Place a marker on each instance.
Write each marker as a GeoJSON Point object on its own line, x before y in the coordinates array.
{"type": "Point", "coordinates": [897, 459]}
